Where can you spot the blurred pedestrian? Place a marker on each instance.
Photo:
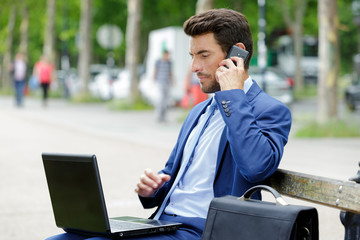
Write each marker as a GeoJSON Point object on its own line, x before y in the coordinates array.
{"type": "Point", "coordinates": [44, 71]}
{"type": "Point", "coordinates": [163, 79]}
{"type": "Point", "coordinates": [193, 94]}
{"type": "Point", "coordinates": [19, 77]}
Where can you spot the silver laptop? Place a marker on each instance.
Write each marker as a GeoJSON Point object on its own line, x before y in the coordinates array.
{"type": "Point", "coordinates": [78, 201]}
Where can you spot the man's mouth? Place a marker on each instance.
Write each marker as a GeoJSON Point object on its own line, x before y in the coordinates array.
{"type": "Point", "coordinates": [202, 76]}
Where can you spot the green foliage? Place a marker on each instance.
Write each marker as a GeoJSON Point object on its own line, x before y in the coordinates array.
{"type": "Point", "coordinates": [6, 92]}
{"type": "Point", "coordinates": [37, 19]}
{"type": "Point", "coordinates": [336, 129]}
{"type": "Point", "coordinates": [85, 98]}
{"type": "Point", "coordinates": [348, 34]}
{"type": "Point", "coordinates": [309, 91]}
{"type": "Point", "coordinates": [157, 14]}
{"type": "Point", "coordinates": [56, 93]}
{"type": "Point", "coordinates": [311, 23]}
{"type": "Point", "coordinates": [125, 105]}
{"type": "Point", "coordinates": [109, 12]}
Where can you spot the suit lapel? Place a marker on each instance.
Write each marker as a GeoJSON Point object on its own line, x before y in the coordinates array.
{"type": "Point", "coordinates": [250, 95]}
{"type": "Point", "coordinates": [190, 124]}
{"type": "Point", "coordinates": [222, 145]}
{"type": "Point", "coordinates": [193, 119]}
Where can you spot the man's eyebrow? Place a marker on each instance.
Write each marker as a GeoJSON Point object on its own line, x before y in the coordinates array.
{"type": "Point", "coordinates": [199, 52]}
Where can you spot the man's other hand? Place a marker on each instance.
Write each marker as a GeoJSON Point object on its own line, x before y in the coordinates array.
{"type": "Point", "coordinates": [150, 182]}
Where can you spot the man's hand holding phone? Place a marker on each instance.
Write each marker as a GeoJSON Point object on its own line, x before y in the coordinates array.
{"type": "Point", "coordinates": [232, 73]}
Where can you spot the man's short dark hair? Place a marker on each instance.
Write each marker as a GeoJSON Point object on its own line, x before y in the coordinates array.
{"type": "Point", "coordinates": [229, 27]}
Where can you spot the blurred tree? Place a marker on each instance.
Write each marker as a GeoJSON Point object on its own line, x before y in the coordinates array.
{"type": "Point", "coordinates": [295, 25]}
{"type": "Point", "coordinates": [159, 14]}
{"type": "Point", "coordinates": [85, 45]}
{"type": "Point", "coordinates": [348, 40]}
{"type": "Point", "coordinates": [329, 56]}
{"type": "Point", "coordinates": [5, 73]}
{"type": "Point", "coordinates": [112, 12]}
{"type": "Point", "coordinates": [203, 5]}
{"type": "Point", "coordinates": [132, 45]}
{"type": "Point", "coordinates": [24, 29]}
{"type": "Point", "coordinates": [65, 55]}
{"type": "Point", "coordinates": [155, 14]}
{"type": "Point", "coordinates": [49, 44]}
{"type": "Point", "coordinates": [36, 29]}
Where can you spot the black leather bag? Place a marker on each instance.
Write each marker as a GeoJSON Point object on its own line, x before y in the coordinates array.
{"type": "Point", "coordinates": [243, 218]}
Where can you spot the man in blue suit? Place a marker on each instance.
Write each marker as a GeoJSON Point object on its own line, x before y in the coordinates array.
{"type": "Point", "coordinates": [242, 144]}
{"type": "Point", "coordinates": [244, 141]}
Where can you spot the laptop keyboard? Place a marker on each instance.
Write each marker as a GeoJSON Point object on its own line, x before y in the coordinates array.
{"type": "Point", "coordinates": [118, 224]}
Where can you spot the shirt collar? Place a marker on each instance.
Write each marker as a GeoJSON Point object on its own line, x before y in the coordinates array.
{"type": "Point", "coordinates": [247, 84]}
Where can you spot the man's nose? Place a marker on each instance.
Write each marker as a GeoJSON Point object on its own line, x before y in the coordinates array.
{"type": "Point", "coordinates": [195, 66]}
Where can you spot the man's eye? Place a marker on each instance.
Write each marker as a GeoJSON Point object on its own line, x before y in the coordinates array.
{"type": "Point", "coordinates": [205, 55]}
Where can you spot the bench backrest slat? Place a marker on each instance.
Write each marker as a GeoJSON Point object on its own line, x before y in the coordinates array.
{"type": "Point", "coordinates": [343, 195]}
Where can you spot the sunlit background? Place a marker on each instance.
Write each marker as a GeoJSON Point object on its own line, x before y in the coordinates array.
{"type": "Point", "coordinates": [102, 100]}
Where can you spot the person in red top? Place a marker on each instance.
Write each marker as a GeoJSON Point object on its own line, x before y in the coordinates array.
{"type": "Point", "coordinates": [44, 71]}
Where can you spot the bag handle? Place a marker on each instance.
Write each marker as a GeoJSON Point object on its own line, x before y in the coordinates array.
{"type": "Point", "coordinates": [279, 200]}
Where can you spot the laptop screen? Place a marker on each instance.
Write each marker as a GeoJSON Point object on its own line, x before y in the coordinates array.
{"type": "Point", "coordinates": [76, 192]}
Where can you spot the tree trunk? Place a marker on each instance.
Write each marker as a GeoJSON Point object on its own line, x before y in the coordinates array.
{"type": "Point", "coordinates": [24, 31]}
{"type": "Point", "coordinates": [85, 45]}
{"type": "Point", "coordinates": [204, 5]}
{"type": "Point", "coordinates": [5, 73]}
{"type": "Point", "coordinates": [329, 56]}
{"type": "Point", "coordinates": [295, 25]}
{"type": "Point", "coordinates": [48, 48]}
{"type": "Point", "coordinates": [132, 45]}
{"type": "Point", "coordinates": [300, 6]}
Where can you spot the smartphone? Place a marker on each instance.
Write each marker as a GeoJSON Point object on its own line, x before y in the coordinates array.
{"type": "Point", "coordinates": [236, 51]}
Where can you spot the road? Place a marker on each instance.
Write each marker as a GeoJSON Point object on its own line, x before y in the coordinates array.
{"type": "Point", "coordinates": [125, 143]}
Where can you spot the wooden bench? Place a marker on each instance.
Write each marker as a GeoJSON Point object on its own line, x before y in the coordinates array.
{"type": "Point", "coordinates": [343, 195]}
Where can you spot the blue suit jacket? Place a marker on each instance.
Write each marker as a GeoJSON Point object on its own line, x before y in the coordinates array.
{"type": "Point", "coordinates": [251, 146]}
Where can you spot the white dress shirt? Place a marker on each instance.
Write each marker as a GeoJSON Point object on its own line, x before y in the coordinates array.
{"type": "Point", "coordinates": [193, 194]}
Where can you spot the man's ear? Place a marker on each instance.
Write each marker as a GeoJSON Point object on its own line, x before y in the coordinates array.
{"type": "Point", "coordinates": [241, 45]}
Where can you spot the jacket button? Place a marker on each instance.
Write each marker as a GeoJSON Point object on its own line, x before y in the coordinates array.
{"type": "Point", "coordinates": [228, 114]}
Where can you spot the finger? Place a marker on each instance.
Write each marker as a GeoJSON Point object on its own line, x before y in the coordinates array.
{"type": "Point", "coordinates": [218, 74]}
{"type": "Point", "coordinates": [239, 62]}
{"type": "Point", "coordinates": [229, 62]}
{"type": "Point", "coordinates": [144, 179]}
{"type": "Point", "coordinates": [144, 190]}
{"type": "Point", "coordinates": [152, 175]}
{"type": "Point", "coordinates": [223, 68]}
{"type": "Point", "coordinates": [164, 177]}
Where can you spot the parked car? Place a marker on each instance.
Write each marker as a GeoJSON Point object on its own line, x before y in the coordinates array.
{"type": "Point", "coordinates": [102, 81]}
{"type": "Point", "coordinates": [352, 96]}
{"type": "Point", "coordinates": [121, 86]}
{"type": "Point", "coordinates": [69, 82]}
{"type": "Point", "coordinates": [277, 83]}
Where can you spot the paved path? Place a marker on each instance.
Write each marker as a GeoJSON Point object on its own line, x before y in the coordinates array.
{"type": "Point", "coordinates": [125, 144]}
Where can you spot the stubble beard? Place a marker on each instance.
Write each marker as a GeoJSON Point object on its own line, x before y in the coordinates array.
{"type": "Point", "coordinates": [209, 86]}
